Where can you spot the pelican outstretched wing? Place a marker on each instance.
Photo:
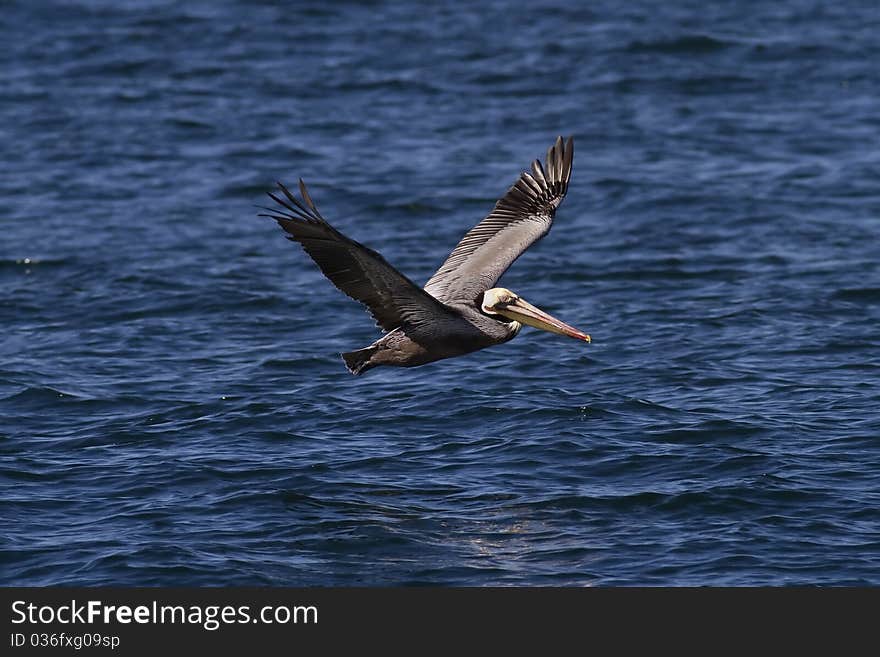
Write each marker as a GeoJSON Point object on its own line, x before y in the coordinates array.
{"type": "Point", "coordinates": [520, 218]}
{"type": "Point", "coordinates": [360, 272]}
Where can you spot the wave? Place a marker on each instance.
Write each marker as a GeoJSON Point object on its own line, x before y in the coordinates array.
{"type": "Point", "coordinates": [685, 44]}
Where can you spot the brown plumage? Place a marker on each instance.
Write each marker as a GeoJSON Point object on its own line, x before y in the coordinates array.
{"type": "Point", "coordinates": [458, 311]}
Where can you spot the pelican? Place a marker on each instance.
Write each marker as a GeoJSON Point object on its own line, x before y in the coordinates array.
{"type": "Point", "coordinates": [459, 310]}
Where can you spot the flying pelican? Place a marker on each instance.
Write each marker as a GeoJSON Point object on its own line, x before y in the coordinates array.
{"type": "Point", "coordinates": [459, 310]}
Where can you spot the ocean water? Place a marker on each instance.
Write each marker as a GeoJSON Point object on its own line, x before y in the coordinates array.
{"type": "Point", "coordinates": [173, 408]}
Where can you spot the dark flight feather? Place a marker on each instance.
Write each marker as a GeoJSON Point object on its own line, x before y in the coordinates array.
{"type": "Point", "coordinates": [520, 218]}
{"type": "Point", "coordinates": [357, 270]}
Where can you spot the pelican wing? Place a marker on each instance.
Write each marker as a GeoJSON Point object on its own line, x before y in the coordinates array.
{"type": "Point", "coordinates": [520, 218]}
{"type": "Point", "coordinates": [360, 272]}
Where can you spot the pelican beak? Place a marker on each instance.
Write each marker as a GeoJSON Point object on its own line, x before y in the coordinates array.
{"type": "Point", "coordinates": [526, 313]}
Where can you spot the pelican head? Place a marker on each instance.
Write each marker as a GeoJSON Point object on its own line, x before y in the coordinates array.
{"type": "Point", "coordinates": [503, 302]}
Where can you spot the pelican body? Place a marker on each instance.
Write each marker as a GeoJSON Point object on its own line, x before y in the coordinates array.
{"type": "Point", "coordinates": [459, 310]}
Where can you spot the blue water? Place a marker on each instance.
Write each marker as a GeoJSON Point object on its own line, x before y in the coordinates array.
{"type": "Point", "coordinates": [173, 408]}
